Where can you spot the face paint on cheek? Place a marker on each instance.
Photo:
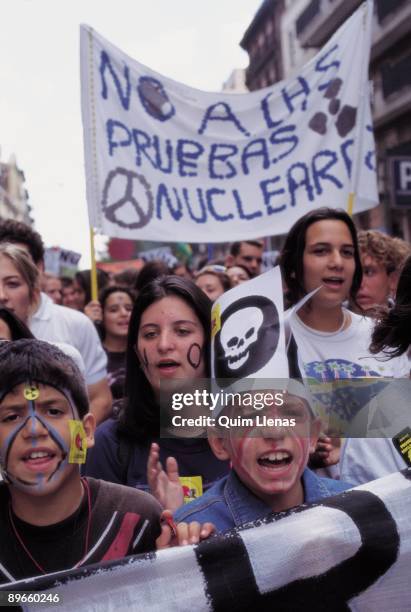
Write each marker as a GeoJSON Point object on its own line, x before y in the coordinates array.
{"type": "Point", "coordinates": [8, 476]}
{"type": "Point", "coordinates": [245, 453]}
{"type": "Point", "coordinates": [7, 444]}
{"type": "Point", "coordinates": [60, 443]}
{"type": "Point", "coordinates": [194, 355]}
{"type": "Point", "coordinates": [31, 393]}
{"type": "Point", "coordinates": [304, 447]}
{"type": "Point", "coordinates": [239, 452]}
{"type": "Point", "coordinates": [5, 449]}
{"type": "Point", "coordinates": [142, 357]}
{"type": "Point", "coordinates": [41, 479]}
{"type": "Point", "coordinates": [68, 454]}
{"type": "Point", "coordinates": [145, 359]}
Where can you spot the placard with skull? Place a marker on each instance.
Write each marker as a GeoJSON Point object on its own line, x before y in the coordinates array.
{"type": "Point", "coordinates": [248, 337]}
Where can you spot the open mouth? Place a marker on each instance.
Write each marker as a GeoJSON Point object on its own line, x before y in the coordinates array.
{"type": "Point", "coordinates": [167, 365]}
{"type": "Point", "coordinates": [37, 459]}
{"type": "Point", "coordinates": [333, 281]}
{"type": "Point", "coordinates": [275, 459]}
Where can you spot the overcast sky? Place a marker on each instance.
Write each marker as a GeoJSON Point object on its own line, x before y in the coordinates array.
{"type": "Point", "coordinates": [40, 122]}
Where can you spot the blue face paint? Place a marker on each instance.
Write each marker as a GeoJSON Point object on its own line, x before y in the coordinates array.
{"type": "Point", "coordinates": [34, 418]}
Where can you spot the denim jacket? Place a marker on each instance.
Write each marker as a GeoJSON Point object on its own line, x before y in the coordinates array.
{"type": "Point", "coordinates": [229, 503]}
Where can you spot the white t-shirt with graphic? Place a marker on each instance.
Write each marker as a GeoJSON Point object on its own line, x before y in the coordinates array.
{"type": "Point", "coordinates": [331, 356]}
{"type": "Point", "coordinates": [328, 356]}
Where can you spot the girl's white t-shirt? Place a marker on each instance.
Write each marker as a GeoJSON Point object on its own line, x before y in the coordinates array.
{"type": "Point", "coordinates": [327, 357]}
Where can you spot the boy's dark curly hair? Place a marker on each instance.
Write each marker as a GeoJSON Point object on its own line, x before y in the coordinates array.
{"type": "Point", "coordinates": [17, 232]}
{"type": "Point", "coordinates": [36, 361]}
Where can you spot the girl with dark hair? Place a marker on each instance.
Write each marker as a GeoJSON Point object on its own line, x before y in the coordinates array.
{"type": "Point", "coordinates": [392, 334]}
{"type": "Point", "coordinates": [321, 254]}
{"type": "Point", "coordinates": [149, 272]}
{"type": "Point", "coordinates": [82, 289]}
{"type": "Point", "coordinates": [11, 327]}
{"type": "Point", "coordinates": [382, 453]}
{"type": "Point", "coordinates": [168, 339]}
{"type": "Point", "coordinates": [320, 241]}
{"type": "Point", "coordinates": [116, 306]}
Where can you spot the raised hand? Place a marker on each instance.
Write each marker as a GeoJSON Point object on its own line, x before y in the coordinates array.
{"type": "Point", "coordinates": [164, 484]}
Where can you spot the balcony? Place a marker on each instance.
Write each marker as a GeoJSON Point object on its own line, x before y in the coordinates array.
{"type": "Point", "coordinates": [395, 25]}
{"type": "Point", "coordinates": [259, 59]}
{"type": "Point", "coordinates": [385, 7]}
{"type": "Point", "coordinates": [307, 16]}
{"type": "Point", "coordinates": [396, 76]}
{"type": "Point", "coordinates": [319, 20]}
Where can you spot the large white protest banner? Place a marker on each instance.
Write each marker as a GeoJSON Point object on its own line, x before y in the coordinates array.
{"type": "Point", "coordinates": [349, 552]}
{"type": "Point", "coordinates": [168, 162]}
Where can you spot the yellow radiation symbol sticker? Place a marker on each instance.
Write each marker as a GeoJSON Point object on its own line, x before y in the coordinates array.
{"type": "Point", "coordinates": [78, 442]}
{"type": "Point", "coordinates": [402, 442]}
{"type": "Point", "coordinates": [192, 487]}
{"type": "Point", "coordinates": [215, 320]}
{"type": "Point", "coordinates": [31, 393]}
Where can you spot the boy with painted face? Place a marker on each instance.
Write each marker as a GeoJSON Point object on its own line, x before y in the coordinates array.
{"type": "Point", "coordinates": [269, 464]}
{"type": "Point", "coordinates": [51, 519]}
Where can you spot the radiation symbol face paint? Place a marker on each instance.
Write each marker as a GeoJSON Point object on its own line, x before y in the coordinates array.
{"type": "Point", "coordinates": [35, 435]}
{"type": "Point", "coordinates": [31, 393]}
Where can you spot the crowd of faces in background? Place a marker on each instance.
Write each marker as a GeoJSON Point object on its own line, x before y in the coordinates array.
{"type": "Point", "coordinates": [320, 250]}
{"type": "Point", "coordinates": [154, 324]}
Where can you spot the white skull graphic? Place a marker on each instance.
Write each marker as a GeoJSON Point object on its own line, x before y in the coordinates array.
{"type": "Point", "coordinates": [238, 334]}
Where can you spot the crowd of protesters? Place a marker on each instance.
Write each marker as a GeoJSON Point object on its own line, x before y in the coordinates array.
{"type": "Point", "coordinates": [66, 357]}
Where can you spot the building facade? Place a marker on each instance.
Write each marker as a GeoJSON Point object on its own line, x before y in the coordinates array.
{"type": "Point", "coordinates": [262, 41]}
{"type": "Point", "coordinates": [303, 27]}
{"type": "Point", "coordinates": [13, 194]}
{"type": "Point", "coordinates": [235, 82]}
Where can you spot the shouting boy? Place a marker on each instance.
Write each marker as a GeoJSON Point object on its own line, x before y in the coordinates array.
{"type": "Point", "coordinates": [269, 464]}
{"type": "Point", "coordinates": [51, 519]}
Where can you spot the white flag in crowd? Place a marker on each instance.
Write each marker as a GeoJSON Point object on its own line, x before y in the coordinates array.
{"type": "Point", "coordinates": [168, 162]}
{"type": "Point", "coordinates": [248, 338]}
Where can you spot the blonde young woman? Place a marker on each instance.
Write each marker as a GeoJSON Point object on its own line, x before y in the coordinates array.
{"type": "Point", "coordinates": [19, 282]}
{"type": "Point", "coordinates": [20, 293]}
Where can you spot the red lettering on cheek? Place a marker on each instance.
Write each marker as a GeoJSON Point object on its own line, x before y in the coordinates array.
{"type": "Point", "coordinates": [239, 451]}
{"type": "Point", "coordinates": [303, 445]}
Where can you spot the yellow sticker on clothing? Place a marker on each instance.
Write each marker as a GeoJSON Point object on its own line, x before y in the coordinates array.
{"type": "Point", "coordinates": [215, 320]}
{"type": "Point", "coordinates": [192, 487]}
{"type": "Point", "coordinates": [31, 393]}
{"type": "Point", "coordinates": [402, 442]}
{"type": "Point", "coordinates": [78, 442]}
